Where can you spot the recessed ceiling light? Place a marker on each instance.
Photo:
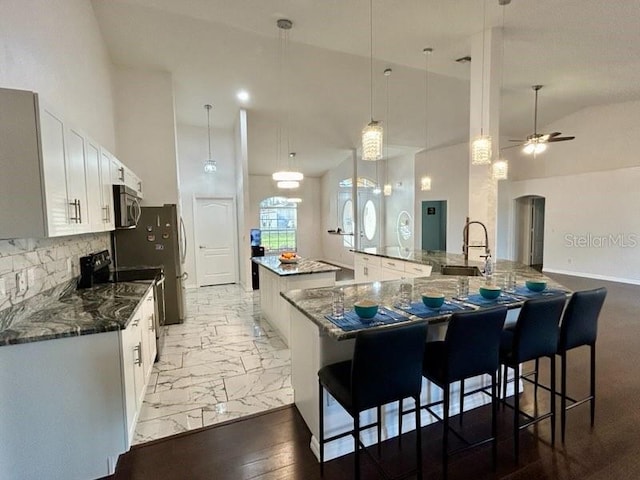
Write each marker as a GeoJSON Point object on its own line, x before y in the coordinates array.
{"type": "Point", "coordinates": [243, 96]}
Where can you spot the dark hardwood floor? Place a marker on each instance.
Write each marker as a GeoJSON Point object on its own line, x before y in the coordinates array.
{"type": "Point", "coordinates": [275, 445]}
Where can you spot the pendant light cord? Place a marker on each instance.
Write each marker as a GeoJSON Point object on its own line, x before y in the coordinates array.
{"type": "Point", "coordinates": [484, 29]}
{"type": "Point", "coordinates": [371, 58]}
{"type": "Point", "coordinates": [208, 107]}
{"type": "Point", "coordinates": [386, 144]}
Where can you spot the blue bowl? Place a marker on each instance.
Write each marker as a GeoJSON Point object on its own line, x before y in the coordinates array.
{"type": "Point", "coordinates": [433, 299]}
{"type": "Point", "coordinates": [536, 285]}
{"type": "Point", "coordinates": [365, 309]}
{"type": "Point", "coordinates": [490, 293]}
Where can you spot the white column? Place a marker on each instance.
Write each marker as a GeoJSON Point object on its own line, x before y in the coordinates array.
{"type": "Point", "coordinates": [484, 113]}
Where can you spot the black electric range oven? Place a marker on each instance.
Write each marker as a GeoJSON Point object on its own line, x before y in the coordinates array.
{"type": "Point", "coordinates": [96, 269]}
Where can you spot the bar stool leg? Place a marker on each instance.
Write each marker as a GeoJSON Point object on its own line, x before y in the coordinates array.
{"type": "Point", "coordinates": [552, 364]}
{"type": "Point", "coordinates": [321, 432]}
{"type": "Point", "coordinates": [356, 444]}
{"type": "Point", "coordinates": [379, 413]}
{"type": "Point", "coordinates": [535, 380]}
{"type": "Point", "coordinates": [593, 384]}
{"type": "Point", "coordinates": [400, 422]}
{"type": "Point", "coordinates": [516, 415]}
{"type": "Point", "coordinates": [504, 384]}
{"type": "Point", "coordinates": [563, 394]}
{"type": "Point", "coordinates": [445, 433]}
{"type": "Point", "coordinates": [494, 420]}
{"type": "Point", "coordinates": [418, 439]}
{"type": "Point", "coordinates": [461, 400]}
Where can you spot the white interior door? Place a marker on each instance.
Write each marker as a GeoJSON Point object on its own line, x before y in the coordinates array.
{"type": "Point", "coordinates": [215, 227]}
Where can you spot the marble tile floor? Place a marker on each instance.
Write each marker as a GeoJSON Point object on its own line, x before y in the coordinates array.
{"type": "Point", "coordinates": [222, 363]}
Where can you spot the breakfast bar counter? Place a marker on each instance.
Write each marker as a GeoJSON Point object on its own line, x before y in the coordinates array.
{"type": "Point", "coordinates": [276, 277]}
{"type": "Point", "coordinates": [316, 341]}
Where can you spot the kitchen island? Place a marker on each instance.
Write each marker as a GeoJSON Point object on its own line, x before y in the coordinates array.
{"type": "Point", "coordinates": [74, 365]}
{"type": "Point", "coordinates": [316, 341]}
{"type": "Point", "coordinates": [276, 277]}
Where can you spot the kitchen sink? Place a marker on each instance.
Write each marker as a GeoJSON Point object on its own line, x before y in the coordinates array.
{"type": "Point", "coordinates": [463, 270]}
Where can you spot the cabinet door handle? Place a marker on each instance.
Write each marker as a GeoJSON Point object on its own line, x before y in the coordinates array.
{"type": "Point", "coordinates": [135, 322]}
{"type": "Point", "coordinates": [153, 323]}
{"type": "Point", "coordinates": [79, 212]}
{"type": "Point", "coordinates": [140, 186]}
{"type": "Point", "coordinates": [391, 264]}
{"type": "Point", "coordinates": [75, 204]}
{"type": "Point", "coordinates": [105, 218]}
{"type": "Point", "coordinates": [121, 176]}
{"type": "Point", "coordinates": [138, 350]}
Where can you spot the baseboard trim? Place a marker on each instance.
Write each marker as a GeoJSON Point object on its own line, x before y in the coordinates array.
{"type": "Point", "coordinates": [595, 276]}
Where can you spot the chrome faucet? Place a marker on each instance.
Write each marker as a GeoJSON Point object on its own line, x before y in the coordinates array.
{"type": "Point", "coordinates": [465, 239]}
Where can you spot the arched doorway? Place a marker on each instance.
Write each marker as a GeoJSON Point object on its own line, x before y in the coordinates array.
{"type": "Point", "coordinates": [529, 230]}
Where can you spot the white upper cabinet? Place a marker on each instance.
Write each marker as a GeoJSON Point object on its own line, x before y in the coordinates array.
{"type": "Point", "coordinates": [55, 180]}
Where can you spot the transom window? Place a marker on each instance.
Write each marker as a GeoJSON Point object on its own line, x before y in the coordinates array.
{"type": "Point", "coordinates": [278, 222]}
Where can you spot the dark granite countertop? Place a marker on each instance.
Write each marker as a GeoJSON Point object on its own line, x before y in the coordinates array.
{"type": "Point", "coordinates": [316, 303]}
{"type": "Point", "coordinates": [304, 266]}
{"type": "Point", "coordinates": [64, 311]}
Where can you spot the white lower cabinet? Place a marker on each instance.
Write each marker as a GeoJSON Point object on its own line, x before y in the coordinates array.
{"type": "Point", "coordinates": [372, 268]}
{"type": "Point", "coordinates": [138, 350]}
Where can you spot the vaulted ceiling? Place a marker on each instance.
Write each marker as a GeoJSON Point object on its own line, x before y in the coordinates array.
{"type": "Point", "coordinates": [585, 52]}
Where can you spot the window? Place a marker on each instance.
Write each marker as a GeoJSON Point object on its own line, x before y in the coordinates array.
{"type": "Point", "coordinates": [278, 222]}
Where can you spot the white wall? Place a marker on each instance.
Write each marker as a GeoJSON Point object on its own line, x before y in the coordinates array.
{"type": "Point", "coordinates": [400, 171]}
{"type": "Point", "coordinates": [146, 131]}
{"type": "Point", "coordinates": [194, 182]}
{"type": "Point", "coordinates": [332, 245]}
{"type": "Point", "coordinates": [591, 190]}
{"type": "Point", "coordinates": [448, 168]}
{"type": "Point", "coordinates": [54, 47]}
{"type": "Point", "coordinates": [309, 217]}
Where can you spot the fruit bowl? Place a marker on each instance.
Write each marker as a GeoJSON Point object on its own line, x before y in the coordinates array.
{"type": "Point", "coordinates": [288, 257]}
{"type": "Point", "coordinates": [536, 285]}
{"type": "Point", "coordinates": [433, 299]}
{"type": "Point", "coordinates": [365, 308]}
{"type": "Point", "coordinates": [490, 292]}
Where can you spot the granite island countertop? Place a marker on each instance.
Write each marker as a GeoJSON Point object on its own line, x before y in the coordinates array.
{"type": "Point", "coordinates": [304, 266]}
{"type": "Point", "coordinates": [316, 303]}
{"type": "Point", "coordinates": [64, 311]}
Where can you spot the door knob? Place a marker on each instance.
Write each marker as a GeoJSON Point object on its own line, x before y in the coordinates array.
{"type": "Point", "coordinates": [202, 247]}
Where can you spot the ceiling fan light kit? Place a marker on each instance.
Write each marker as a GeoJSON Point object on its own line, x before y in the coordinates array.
{"type": "Point", "coordinates": [537, 142]}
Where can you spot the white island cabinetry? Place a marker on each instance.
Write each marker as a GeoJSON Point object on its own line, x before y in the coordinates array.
{"type": "Point", "coordinates": [375, 268]}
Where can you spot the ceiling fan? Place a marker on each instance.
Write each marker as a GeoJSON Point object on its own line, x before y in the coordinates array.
{"type": "Point", "coordinates": [537, 142]}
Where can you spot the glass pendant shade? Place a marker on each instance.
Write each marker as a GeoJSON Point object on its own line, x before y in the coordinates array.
{"type": "Point", "coordinates": [377, 190]}
{"type": "Point", "coordinates": [287, 176]}
{"type": "Point", "coordinates": [387, 190]}
{"type": "Point", "coordinates": [481, 150]}
{"type": "Point", "coordinates": [288, 184]}
{"type": "Point", "coordinates": [210, 166]}
{"type": "Point", "coordinates": [425, 183]}
{"type": "Point", "coordinates": [500, 170]}
{"type": "Point", "coordinates": [372, 141]}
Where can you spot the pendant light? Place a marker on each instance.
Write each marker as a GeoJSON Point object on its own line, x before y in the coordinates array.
{"type": "Point", "coordinates": [481, 145]}
{"type": "Point", "coordinates": [425, 181]}
{"type": "Point", "coordinates": [210, 165]}
{"type": "Point", "coordinates": [286, 179]}
{"type": "Point", "coordinates": [500, 168]}
{"type": "Point", "coordinates": [371, 134]}
{"type": "Point", "coordinates": [387, 189]}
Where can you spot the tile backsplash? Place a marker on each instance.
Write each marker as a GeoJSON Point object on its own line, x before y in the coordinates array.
{"type": "Point", "coordinates": [43, 262]}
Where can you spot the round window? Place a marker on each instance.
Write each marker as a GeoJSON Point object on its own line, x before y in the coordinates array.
{"type": "Point", "coordinates": [369, 220]}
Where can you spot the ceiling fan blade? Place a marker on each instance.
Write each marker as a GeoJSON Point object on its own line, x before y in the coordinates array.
{"type": "Point", "coordinates": [560, 139]}
{"type": "Point", "coordinates": [513, 146]}
{"type": "Point", "coordinates": [519, 141]}
{"type": "Point", "coordinates": [554, 134]}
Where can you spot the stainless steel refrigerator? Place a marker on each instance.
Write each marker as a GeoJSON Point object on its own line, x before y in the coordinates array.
{"type": "Point", "coordinates": [158, 239]}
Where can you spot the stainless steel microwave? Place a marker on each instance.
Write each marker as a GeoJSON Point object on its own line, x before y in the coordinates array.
{"type": "Point", "coordinates": [126, 205]}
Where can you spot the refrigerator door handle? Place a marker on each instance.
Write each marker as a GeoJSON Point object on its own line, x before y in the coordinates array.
{"type": "Point", "coordinates": [183, 238]}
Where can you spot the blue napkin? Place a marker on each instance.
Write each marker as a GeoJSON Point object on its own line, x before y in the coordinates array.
{"type": "Point", "coordinates": [503, 299]}
{"type": "Point", "coordinates": [547, 292]}
{"type": "Point", "coordinates": [351, 321]}
{"type": "Point", "coordinates": [419, 309]}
